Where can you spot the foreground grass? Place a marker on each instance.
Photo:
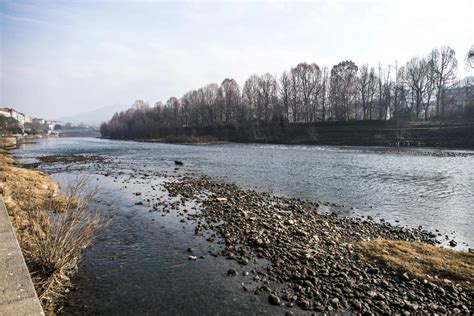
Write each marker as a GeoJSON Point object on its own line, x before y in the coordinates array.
{"type": "Point", "coordinates": [52, 227]}
{"type": "Point", "coordinates": [422, 261]}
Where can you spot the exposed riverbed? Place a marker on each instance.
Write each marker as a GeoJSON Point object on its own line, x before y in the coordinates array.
{"type": "Point", "coordinates": [141, 262]}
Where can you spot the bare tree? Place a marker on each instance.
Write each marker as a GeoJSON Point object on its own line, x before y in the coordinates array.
{"type": "Point", "coordinates": [343, 89]}
{"type": "Point", "coordinates": [285, 93]}
{"type": "Point", "coordinates": [367, 87]}
{"type": "Point", "coordinates": [324, 92]}
{"type": "Point", "coordinates": [443, 64]}
{"type": "Point", "coordinates": [230, 99]}
{"type": "Point", "coordinates": [250, 95]}
{"type": "Point", "coordinates": [308, 78]}
{"type": "Point", "coordinates": [470, 58]}
{"type": "Point", "coordinates": [416, 77]}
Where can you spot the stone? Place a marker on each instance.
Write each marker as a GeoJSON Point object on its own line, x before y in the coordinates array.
{"type": "Point", "coordinates": [232, 272]}
{"type": "Point", "coordinates": [273, 299]}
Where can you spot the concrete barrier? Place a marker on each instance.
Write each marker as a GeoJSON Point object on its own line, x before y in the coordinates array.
{"type": "Point", "coordinates": [17, 293]}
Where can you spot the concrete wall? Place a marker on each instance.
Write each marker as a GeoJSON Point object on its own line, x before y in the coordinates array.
{"type": "Point", "coordinates": [17, 293]}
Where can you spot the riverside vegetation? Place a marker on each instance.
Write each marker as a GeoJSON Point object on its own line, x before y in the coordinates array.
{"type": "Point", "coordinates": [53, 226]}
{"type": "Point", "coordinates": [344, 105]}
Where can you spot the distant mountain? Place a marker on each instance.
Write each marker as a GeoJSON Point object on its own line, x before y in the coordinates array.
{"type": "Point", "coordinates": [95, 117]}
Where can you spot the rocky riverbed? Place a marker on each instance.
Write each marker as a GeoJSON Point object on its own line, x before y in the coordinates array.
{"type": "Point", "coordinates": [313, 259]}
{"type": "Point", "coordinates": [292, 252]}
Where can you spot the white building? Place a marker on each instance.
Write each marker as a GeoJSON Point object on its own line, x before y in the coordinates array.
{"type": "Point", "coordinates": [38, 121]}
{"type": "Point", "coordinates": [8, 112]}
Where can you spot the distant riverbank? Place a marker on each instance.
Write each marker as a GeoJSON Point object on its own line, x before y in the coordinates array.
{"type": "Point", "coordinates": [451, 134]}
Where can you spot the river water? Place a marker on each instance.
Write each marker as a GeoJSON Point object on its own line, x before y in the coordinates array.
{"type": "Point", "coordinates": [139, 264]}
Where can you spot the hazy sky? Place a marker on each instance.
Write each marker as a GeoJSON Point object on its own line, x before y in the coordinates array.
{"type": "Point", "coordinates": [62, 58]}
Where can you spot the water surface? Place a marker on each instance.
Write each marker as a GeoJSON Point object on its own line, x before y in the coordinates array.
{"type": "Point", "coordinates": [140, 265]}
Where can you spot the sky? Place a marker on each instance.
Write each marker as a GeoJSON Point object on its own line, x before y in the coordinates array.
{"type": "Point", "coordinates": [60, 58]}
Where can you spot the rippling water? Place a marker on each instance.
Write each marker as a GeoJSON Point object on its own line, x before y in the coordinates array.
{"type": "Point", "coordinates": [413, 186]}
{"type": "Point", "coordinates": [140, 262]}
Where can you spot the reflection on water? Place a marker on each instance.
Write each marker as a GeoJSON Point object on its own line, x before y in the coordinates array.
{"type": "Point", "coordinates": [140, 264]}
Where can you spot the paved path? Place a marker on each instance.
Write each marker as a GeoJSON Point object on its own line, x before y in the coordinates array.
{"type": "Point", "coordinates": [17, 294]}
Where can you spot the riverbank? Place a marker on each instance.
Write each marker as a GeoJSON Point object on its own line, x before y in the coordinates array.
{"type": "Point", "coordinates": [450, 134]}
{"type": "Point", "coordinates": [52, 227]}
{"type": "Point", "coordinates": [324, 262]}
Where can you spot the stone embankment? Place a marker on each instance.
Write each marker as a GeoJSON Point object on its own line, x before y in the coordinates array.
{"type": "Point", "coordinates": [17, 293]}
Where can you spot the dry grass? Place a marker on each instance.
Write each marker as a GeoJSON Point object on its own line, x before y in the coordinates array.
{"type": "Point", "coordinates": [53, 228]}
{"type": "Point", "coordinates": [422, 260]}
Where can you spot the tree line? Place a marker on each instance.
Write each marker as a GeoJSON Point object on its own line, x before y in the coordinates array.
{"type": "Point", "coordinates": [307, 93]}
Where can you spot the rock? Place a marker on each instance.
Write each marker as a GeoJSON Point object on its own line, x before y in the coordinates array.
{"type": "Point", "coordinates": [192, 257]}
{"type": "Point", "coordinates": [274, 300]}
{"type": "Point", "coordinates": [313, 255]}
{"type": "Point", "coordinates": [411, 306]}
{"type": "Point", "coordinates": [453, 243]}
{"type": "Point", "coordinates": [304, 304]}
{"type": "Point", "coordinates": [178, 163]}
{"type": "Point", "coordinates": [372, 294]}
{"type": "Point", "coordinates": [244, 261]}
{"type": "Point", "coordinates": [441, 291]}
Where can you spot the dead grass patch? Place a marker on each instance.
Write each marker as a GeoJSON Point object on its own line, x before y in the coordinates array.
{"type": "Point", "coordinates": [422, 260]}
{"type": "Point", "coordinates": [53, 227]}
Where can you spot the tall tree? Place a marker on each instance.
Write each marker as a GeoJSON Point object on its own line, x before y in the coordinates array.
{"type": "Point", "coordinates": [285, 93]}
{"type": "Point", "coordinates": [343, 89]}
{"type": "Point", "coordinates": [416, 77]}
{"type": "Point", "coordinates": [443, 64]}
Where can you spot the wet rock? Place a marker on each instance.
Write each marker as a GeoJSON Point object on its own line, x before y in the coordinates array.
{"type": "Point", "coordinates": [178, 162]}
{"type": "Point", "coordinates": [310, 256]}
{"type": "Point", "coordinates": [244, 261]}
{"type": "Point", "coordinates": [274, 300]}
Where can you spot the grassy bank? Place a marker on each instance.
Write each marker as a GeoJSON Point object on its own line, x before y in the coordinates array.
{"type": "Point", "coordinates": [52, 226]}
{"type": "Point", "coordinates": [422, 261]}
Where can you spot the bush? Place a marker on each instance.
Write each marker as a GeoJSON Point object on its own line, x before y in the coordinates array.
{"type": "Point", "coordinates": [60, 230]}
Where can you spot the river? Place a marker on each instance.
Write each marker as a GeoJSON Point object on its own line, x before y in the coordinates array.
{"type": "Point", "coordinates": [139, 265]}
